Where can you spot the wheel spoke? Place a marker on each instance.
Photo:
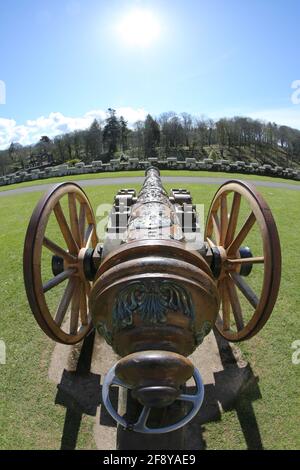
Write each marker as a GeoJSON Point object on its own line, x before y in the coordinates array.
{"type": "Point", "coordinates": [83, 305]}
{"type": "Point", "coordinates": [235, 305]}
{"type": "Point", "coordinates": [55, 281]}
{"type": "Point", "coordinates": [57, 250]}
{"type": "Point", "coordinates": [75, 309]}
{"type": "Point", "coordinates": [234, 215]}
{"type": "Point", "coordinates": [88, 235]}
{"type": "Point", "coordinates": [237, 242]}
{"type": "Point", "coordinates": [245, 289]}
{"type": "Point", "coordinates": [254, 260]}
{"type": "Point", "coordinates": [82, 216]}
{"type": "Point", "coordinates": [224, 219]}
{"type": "Point", "coordinates": [74, 218]}
{"type": "Point", "coordinates": [225, 305]}
{"type": "Point", "coordinates": [210, 242]}
{"type": "Point", "coordinates": [143, 416]}
{"type": "Point", "coordinates": [87, 288]}
{"type": "Point", "coordinates": [119, 382]}
{"type": "Point", "coordinates": [64, 227]}
{"type": "Point", "coordinates": [64, 303]}
{"type": "Point", "coordinates": [216, 224]}
{"type": "Point", "coordinates": [186, 397]}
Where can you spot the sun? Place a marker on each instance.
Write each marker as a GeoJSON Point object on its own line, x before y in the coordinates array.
{"type": "Point", "coordinates": [139, 28]}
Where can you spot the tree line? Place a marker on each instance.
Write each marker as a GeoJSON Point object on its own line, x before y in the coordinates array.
{"type": "Point", "coordinates": [169, 134]}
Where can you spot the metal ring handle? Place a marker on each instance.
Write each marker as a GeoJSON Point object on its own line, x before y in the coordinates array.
{"type": "Point", "coordinates": [140, 424]}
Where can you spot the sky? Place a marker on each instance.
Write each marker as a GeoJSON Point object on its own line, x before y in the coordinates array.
{"type": "Point", "coordinates": [64, 62]}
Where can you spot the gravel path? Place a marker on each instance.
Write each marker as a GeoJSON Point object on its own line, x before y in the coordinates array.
{"type": "Point", "coordinates": [179, 180]}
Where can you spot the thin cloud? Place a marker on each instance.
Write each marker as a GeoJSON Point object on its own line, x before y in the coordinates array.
{"type": "Point", "coordinates": [282, 116]}
{"type": "Point", "coordinates": [56, 124]}
{"type": "Point", "coordinates": [289, 116]}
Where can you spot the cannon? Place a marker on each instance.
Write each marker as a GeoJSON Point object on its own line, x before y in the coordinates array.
{"type": "Point", "coordinates": [155, 285]}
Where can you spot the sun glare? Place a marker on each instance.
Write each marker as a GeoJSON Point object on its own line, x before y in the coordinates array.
{"type": "Point", "coordinates": [139, 28]}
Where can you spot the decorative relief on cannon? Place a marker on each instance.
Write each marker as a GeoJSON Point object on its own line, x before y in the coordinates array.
{"type": "Point", "coordinates": [150, 300]}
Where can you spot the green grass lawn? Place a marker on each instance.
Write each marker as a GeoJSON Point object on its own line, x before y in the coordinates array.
{"type": "Point", "coordinates": [125, 174]}
{"type": "Point", "coordinates": [30, 419]}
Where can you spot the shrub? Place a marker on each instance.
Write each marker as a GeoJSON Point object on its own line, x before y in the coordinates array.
{"type": "Point", "coordinates": [73, 161]}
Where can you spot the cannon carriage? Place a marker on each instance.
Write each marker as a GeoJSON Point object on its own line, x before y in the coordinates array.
{"type": "Point", "coordinates": [155, 286]}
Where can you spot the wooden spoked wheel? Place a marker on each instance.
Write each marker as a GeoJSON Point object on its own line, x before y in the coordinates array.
{"type": "Point", "coordinates": [65, 317]}
{"type": "Point", "coordinates": [236, 212]}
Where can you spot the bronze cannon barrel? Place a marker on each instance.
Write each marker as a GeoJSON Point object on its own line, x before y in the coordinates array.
{"type": "Point", "coordinates": [153, 294]}
{"type": "Point", "coordinates": [153, 216]}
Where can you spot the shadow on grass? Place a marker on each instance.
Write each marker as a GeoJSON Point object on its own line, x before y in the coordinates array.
{"type": "Point", "coordinates": [235, 388]}
{"type": "Point", "coordinates": [79, 392]}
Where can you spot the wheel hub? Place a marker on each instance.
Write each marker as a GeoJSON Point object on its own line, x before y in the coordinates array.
{"type": "Point", "coordinates": [84, 262]}
{"type": "Point", "coordinates": [220, 264]}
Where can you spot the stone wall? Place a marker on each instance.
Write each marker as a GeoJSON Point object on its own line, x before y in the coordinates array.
{"type": "Point", "coordinates": [171, 163]}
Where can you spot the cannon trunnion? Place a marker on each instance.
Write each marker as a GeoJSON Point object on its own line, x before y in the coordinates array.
{"type": "Point", "coordinates": [156, 285]}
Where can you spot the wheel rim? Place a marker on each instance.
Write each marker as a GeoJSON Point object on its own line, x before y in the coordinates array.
{"type": "Point", "coordinates": [221, 231]}
{"type": "Point", "coordinates": [78, 234]}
